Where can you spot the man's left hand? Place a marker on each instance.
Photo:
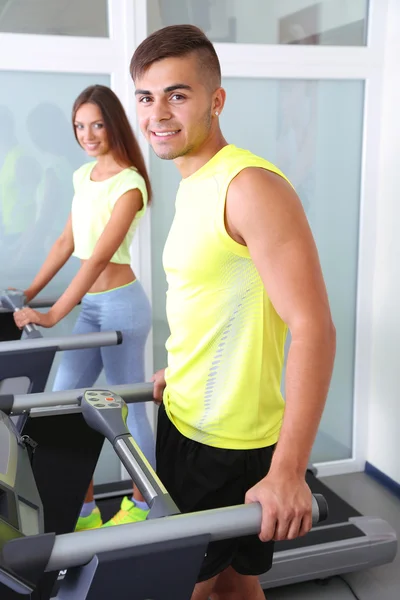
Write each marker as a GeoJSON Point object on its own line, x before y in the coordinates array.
{"type": "Point", "coordinates": [25, 316]}
{"type": "Point", "coordinates": [286, 503]}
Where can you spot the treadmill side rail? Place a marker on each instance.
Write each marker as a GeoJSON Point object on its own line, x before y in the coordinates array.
{"type": "Point", "coordinates": [136, 392]}
{"type": "Point", "coordinates": [376, 547]}
{"type": "Point", "coordinates": [72, 342]}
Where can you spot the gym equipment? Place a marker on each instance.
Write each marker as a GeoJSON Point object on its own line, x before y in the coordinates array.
{"type": "Point", "coordinates": [32, 358]}
{"type": "Point", "coordinates": [38, 302]}
{"type": "Point", "coordinates": [21, 511]}
{"type": "Point", "coordinates": [61, 343]}
{"type": "Point", "coordinates": [120, 560]}
{"type": "Point", "coordinates": [8, 329]}
{"type": "Point", "coordinates": [346, 542]}
{"type": "Point", "coordinates": [59, 449]}
{"type": "Point", "coordinates": [14, 300]}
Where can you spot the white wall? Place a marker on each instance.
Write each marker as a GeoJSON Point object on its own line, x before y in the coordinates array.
{"type": "Point", "coordinates": [384, 403]}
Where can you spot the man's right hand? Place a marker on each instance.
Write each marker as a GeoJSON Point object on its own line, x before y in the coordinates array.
{"type": "Point", "coordinates": [159, 386]}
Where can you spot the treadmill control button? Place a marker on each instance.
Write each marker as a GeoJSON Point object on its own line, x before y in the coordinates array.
{"type": "Point", "coordinates": [100, 405]}
{"type": "Point", "coordinates": [110, 399]}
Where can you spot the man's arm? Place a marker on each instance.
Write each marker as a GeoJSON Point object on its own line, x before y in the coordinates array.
{"type": "Point", "coordinates": [264, 212]}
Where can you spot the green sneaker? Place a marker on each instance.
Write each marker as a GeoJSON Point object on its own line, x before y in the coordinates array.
{"type": "Point", "coordinates": [93, 521]}
{"type": "Point", "coordinates": [128, 513]}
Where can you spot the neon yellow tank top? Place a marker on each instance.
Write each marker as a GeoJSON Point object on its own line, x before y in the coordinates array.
{"type": "Point", "coordinates": [226, 344]}
{"type": "Point", "coordinates": [92, 207]}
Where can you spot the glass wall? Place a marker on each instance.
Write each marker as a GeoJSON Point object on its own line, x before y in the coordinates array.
{"type": "Point", "coordinates": [87, 18]}
{"type": "Point", "coordinates": [313, 131]}
{"type": "Point", "coordinates": [323, 22]}
{"type": "Point", "coordinates": [38, 155]}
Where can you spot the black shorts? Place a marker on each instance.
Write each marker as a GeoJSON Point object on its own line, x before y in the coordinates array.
{"type": "Point", "coordinates": [201, 477]}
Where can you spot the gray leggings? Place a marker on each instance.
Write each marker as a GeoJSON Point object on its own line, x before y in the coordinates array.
{"type": "Point", "coordinates": [126, 309]}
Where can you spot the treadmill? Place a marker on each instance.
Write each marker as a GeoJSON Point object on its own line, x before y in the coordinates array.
{"type": "Point", "coordinates": [345, 542]}
{"type": "Point", "coordinates": [8, 329]}
{"type": "Point", "coordinates": [119, 561]}
{"type": "Point", "coordinates": [32, 357]}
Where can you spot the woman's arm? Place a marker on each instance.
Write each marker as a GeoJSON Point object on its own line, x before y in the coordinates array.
{"type": "Point", "coordinates": [60, 252]}
{"type": "Point", "coordinates": [123, 214]}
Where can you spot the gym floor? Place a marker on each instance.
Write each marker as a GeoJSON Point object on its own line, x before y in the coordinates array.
{"type": "Point", "coordinates": [383, 583]}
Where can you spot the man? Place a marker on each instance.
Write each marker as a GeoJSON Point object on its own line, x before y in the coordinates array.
{"type": "Point", "coordinates": [241, 266]}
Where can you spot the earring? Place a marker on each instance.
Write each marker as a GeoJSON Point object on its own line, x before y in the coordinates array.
{"type": "Point", "coordinates": [217, 113]}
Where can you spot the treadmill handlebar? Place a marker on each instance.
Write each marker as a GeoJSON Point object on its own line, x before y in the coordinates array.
{"type": "Point", "coordinates": [38, 302]}
{"type": "Point", "coordinates": [10, 299]}
{"type": "Point", "coordinates": [219, 524]}
{"type": "Point", "coordinates": [43, 302]}
{"type": "Point", "coordinates": [14, 300]}
{"type": "Point", "coordinates": [137, 392]}
{"type": "Point", "coordinates": [106, 412]}
{"type": "Point", "coordinates": [71, 342]}
{"type": "Point", "coordinates": [323, 509]}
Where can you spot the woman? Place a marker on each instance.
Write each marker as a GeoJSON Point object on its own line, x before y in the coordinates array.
{"type": "Point", "coordinates": [111, 194]}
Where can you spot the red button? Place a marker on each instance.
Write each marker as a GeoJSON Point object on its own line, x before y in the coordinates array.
{"type": "Point", "coordinates": [110, 399]}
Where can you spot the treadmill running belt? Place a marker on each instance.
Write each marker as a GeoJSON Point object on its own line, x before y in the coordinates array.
{"type": "Point", "coordinates": [338, 510]}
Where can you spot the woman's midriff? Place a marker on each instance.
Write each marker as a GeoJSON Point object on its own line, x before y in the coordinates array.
{"type": "Point", "coordinates": [113, 276]}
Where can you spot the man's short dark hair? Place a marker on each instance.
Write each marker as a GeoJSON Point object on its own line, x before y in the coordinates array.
{"type": "Point", "coordinates": [176, 41]}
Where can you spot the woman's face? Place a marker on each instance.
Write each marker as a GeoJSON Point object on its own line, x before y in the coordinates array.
{"type": "Point", "coordinates": [90, 130]}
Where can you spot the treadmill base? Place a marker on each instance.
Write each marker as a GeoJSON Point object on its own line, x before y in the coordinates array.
{"type": "Point", "coordinates": [376, 546]}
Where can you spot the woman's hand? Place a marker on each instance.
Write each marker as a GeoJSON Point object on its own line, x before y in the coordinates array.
{"type": "Point", "coordinates": [27, 315]}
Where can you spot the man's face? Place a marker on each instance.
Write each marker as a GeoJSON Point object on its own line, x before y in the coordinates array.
{"type": "Point", "coordinates": [174, 106]}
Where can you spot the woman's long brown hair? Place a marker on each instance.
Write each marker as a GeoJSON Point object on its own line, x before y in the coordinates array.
{"type": "Point", "coordinates": [123, 143]}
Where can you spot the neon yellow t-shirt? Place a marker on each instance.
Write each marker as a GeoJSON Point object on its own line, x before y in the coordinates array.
{"type": "Point", "coordinates": [92, 207]}
{"type": "Point", "coordinates": [226, 344]}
